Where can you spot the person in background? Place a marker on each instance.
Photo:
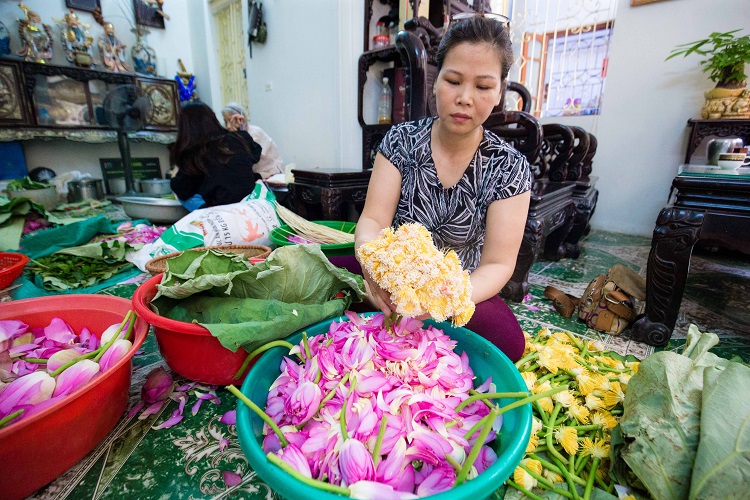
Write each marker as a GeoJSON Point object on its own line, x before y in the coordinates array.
{"type": "Point", "coordinates": [211, 161]}
{"type": "Point", "coordinates": [468, 187]}
{"type": "Point", "coordinates": [270, 162]}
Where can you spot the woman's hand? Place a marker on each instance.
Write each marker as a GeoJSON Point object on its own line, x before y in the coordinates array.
{"type": "Point", "coordinates": [236, 122]}
{"type": "Point", "coordinates": [376, 296]}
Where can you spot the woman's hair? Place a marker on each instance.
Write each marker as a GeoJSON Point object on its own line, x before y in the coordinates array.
{"type": "Point", "coordinates": [200, 138]}
{"type": "Point", "coordinates": [478, 30]}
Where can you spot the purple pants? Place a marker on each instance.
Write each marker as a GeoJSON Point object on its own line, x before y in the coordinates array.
{"type": "Point", "coordinates": [492, 318]}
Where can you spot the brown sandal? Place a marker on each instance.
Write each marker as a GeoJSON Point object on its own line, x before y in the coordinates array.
{"type": "Point", "coordinates": [563, 303]}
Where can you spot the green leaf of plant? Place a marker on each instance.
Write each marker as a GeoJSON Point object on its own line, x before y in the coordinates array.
{"type": "Point", "coordinates": [722, 463]}
{"type": "Point", "coordinates": [250, 323]}
{"type": "Point", "coordinates": [195, 271]}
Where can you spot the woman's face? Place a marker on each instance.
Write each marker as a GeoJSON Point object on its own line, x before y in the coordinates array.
{"type": "Point", "coordinates": [468, 86]}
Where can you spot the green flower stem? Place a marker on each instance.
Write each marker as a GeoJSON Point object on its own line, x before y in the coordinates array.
{"type": "Point", "coordinates": [102, 349]}
{"type": "Point", "coordinates": [585, 349]}
{"type": "Point", "coordinates": [581, 464]}
{"type": "Point", "coordinates": [70, 363]}
{"type": "Point", "coordinates": [523, 490]}
{"type": "Point", "coordinates": [542, 414]}
{"type": "Point", "coordinates": [344, 407]}
{"type": "Point", "coordinates": [260, 413]}
{"type": "Point", "coordinates": [274, 459]}
{"type": "Point", "coordinates": [575, 341]}
{"type": "Point", "coordinates": [548, 439]}
{"type": "Point", "coordinates": [379, 440]}
{"type": "Point", "coordinates": [601, 483]}
{"type": "Point", "coordinates": [572, 466]}
{"type": "Point", "coordinates": [606, 368]}
{"type": "Point", "coordinates": [453, 462]}
{"type": "Point", "coordinates": [525, 359]}
{"type": "Point", "coordinates": [590, 482]}
{"type": "Point", "coordinates": [474, 453]}
{"type": "Point", "coordinates": [474, 429]}
{"type": "Point", "coordinates": [586, 364]}
{"type": "Point", "coordinates": [560, 378]}
{"type": "Point", "coordinates": [307, 346]}
{"type": "Point", "coordinates": [531, 399]}
{"type": "Point", "coordinates": [560, 420]}
{"type": "Point", "coordinates": [332, 392]}
{"type": "Point", "coordinates": [532, 368]}
{"type": "Point", "coordinates": [263, 348]}
{"type": "Point", "coordinates": [36, 361]}
{"type": "Point", "coordinates": [10, 417]}
{"type": "Point", "coordinates": [586, 428]}
{"type": "Point", "coordinates": [544, 378]}
{"type": "Point", "coordinates": [472, 392]}
{"type": "Point", "coordinates": [615, 412]}
{"type": "Point", "coordinates": [548, 485]}
{"type": "Point", "coordinates": [568, 478]}
{"type": "Point", "coordinates": [489, 395]}
{"type": "Point", "coordinates": [554, 468]}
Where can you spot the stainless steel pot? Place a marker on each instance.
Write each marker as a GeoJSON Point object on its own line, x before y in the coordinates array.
{"type": "Point", "coordinates": [715, 147]}
{"type": "Point", "coordinates": [155, 186]}
{"type": "Point", "coordinates": [86, 189]}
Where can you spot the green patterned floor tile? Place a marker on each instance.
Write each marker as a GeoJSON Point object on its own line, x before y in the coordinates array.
{"type": "Point", "coordinates": [615, 239]}
{"type": "Point", "coordinates": [722, 293]}
{"type": "Point", "coordinates": [588, 266]}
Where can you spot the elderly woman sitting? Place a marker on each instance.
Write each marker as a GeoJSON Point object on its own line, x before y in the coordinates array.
{"type": "Point", "coordinates": [270, 162]}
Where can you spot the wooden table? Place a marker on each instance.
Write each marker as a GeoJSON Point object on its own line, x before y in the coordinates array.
{"type": "Point", "coordinates": [710, 206]}
{"type": "Point", "coordinates": [328, 194]}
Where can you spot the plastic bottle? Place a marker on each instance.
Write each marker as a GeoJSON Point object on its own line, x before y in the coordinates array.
{"type": "Point", "coordinates": [384, 104]}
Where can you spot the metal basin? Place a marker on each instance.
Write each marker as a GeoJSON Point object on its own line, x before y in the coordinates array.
{"type": "Point", "coordinates": [159, 210]}
{"type": "Point", "coordinates": [155, 186]}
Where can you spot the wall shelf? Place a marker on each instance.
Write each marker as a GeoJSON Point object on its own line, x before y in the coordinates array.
{"type": "Point", "coordinates": [80, 135]}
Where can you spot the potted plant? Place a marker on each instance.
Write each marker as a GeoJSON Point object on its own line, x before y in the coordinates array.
{"type": "Point", "coordinates": [724, 59]}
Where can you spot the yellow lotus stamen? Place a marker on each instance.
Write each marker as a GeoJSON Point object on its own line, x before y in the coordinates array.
{"type": "Point", "coordinates": [580, 412]}
{"type": "Point", "coordinates": [568, 438]}
{"type": "Point", "coordinates": [603, 418]}
{"type": "Point", "coordinates": [552, 477]}
{"type": "Point", "coordinates": [592, 402]}
{"type": "Point", "coordinates": [565, 398]}
{"type": "Point", "coordinates": [523, 478]}
{"type": "Point", "coordinates": [614, 396]}
{"type": "Point", "coordinates": [530, 379]}
{"type": "Point", "coordinates": [597, 449]}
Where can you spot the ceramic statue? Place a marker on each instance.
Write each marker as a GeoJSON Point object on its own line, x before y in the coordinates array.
{"type": "Point", "coordinates": [36, 37]}
{"type": "Point", "coordinates": [77, 43]}
{"type": "Point", "coordinates": [4, 40]}
{"type": "Point", "coordinates": [112, 50]}
{"type": "Point", "coordinates": [144, 57]}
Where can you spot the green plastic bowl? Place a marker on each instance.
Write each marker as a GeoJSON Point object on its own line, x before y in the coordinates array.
{"type": "Point", "coordinates": [485, 359]}
{"type": "Point", "coordinates": [279, 234]}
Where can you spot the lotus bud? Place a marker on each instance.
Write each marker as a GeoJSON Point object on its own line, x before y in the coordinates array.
{"type": "Point", "coordinates": [75, 376]}
{"type": "Point", "coordinates": [63, 356]}
{"type": "Point", "coordinates": [439, 480]}
{"type": "Point", "coordinates": [27, 390]}
{"type": "Point", "coordinates": [118, 350]}
{"type": "Point", "coordinates": [294, 457]}
{"type": "Point", "coordinates": [355, 462]}
{"type": "Point", "coordinates": [487, 457]}
{"type": "Point", "coordinates": [158, 386]}
{"type": "Point", "coordinates": [111, 331]}
{"type": "Point", "coordinates": [373, 490]}
{"type": "Point", "coordinates": [303, 402]}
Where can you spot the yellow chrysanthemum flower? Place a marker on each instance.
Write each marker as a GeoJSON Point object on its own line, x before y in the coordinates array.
{"type": "Point", "coordinates": [530, 379]}
{"type": "Point", "coordinates": [592, 402]}
{"type": "Point", "coordinates": [603, 418]}
{"type": "Point", "coordinates": [552, 477]}
{"type": "Point", "coordinates": [420, 278]}
{"type": "Point", "coordinates": [565, 398]}
{"type": "Point", "coordinates": [580, 412]}
{"type": "Point", "coordinates": [568, 438]}
{"type": "Point", "coordinates": [523, 478]}
{"type": "Point", "coordinates": [614, 396]}
{"type": "Point", "coordinates": [598, 449]}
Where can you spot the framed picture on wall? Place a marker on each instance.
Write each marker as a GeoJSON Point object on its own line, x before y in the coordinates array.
{"type": "Point", "coordinates": [87, 5]}
{"type": "Point", "coordinates": [149, 13]}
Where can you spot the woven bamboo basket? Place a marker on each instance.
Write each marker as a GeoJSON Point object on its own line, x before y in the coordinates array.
{"type": "Point", "coordinates": [159, 264]}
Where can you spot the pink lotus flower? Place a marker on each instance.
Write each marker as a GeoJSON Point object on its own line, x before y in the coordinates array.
{"type": "Point", "coordinates": [75, 376]}
{"type": "Point", "coordinates": [63, 356]}
{"type": "Point", "coordinates": [440, 479]}
{"type": "Point", "coordinates": [59, 332]}
{"type": "Point", "coordinates": [158, 386]}
{"type": "Point", "coordinates": [487, 457]}
{"type": "Point", "coordinates": [118, 350]}
{"type": "Point", "coordinates": [294, 457]}
{"type": "Point", "coordinates": [355, 462]}
{"type": "Point", "coordinates": [9, 329]}
{"type": "Point", "coordinates": [303, 403]}
{"type": "Point", "coordinates": [26, 391]}
{"type": "Point", "coordinates": [371, 490]}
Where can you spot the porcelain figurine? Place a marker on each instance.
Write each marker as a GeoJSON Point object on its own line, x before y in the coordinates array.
{"type": "Point", "coordinates": [112, 50]}
{"type": "Point", "coordinates": [185, 84]}
{"type": "Point", "coordinates": [36, 37]}
{"type": "Point", "coordinates": [144, 57]}
{"type": "Point", "coordinates": [77, 43]}
{"type": "Point", "coordinates": [4, 40]}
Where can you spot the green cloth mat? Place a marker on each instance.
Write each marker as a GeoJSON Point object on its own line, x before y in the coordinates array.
{"type": "Point", "coordinates": [51, 240]}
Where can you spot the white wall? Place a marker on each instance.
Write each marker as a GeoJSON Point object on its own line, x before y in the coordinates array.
{"type": "Point", "coordinates": [175, 42]}
{"type": "Point", "coordinates": [642, 130]}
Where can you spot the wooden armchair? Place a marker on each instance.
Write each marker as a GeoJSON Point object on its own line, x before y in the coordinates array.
{"type": "Point", "coordinates": [585, 196]}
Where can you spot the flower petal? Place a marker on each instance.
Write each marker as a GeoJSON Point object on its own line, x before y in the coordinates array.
{"type": "Point", "coordinates": [75, 376]}
{"type": "Point", "coordinates": [229, 418]}
{"type": "Point", "coordinates": [230, 478]}
{"type": "Point", "coordinates": [118, 350]}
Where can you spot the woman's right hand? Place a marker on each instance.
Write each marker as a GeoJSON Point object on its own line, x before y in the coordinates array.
{"type": "Point", "coordinates": [236, 122]}
{"type": "Point", "coordinates": [376, 296]}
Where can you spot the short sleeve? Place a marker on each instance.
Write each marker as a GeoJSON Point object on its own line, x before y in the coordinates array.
{"type": "Point", "coordinates": [391, 142]}
{"type": "Point", "coordinates": [516, 179]}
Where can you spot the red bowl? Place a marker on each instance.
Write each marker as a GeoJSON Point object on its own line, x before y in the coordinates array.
{"type": "Point", "coordinates": [38, 449]}
{"type": "Point", "coordinates": [188, 348]}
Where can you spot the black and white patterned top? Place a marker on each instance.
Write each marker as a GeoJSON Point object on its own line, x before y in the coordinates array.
{"type": "Point", "coordinates": [455, 216]}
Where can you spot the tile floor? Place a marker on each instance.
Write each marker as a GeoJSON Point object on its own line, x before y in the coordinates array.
{"type": "Point", "coordinates": [716, 296]}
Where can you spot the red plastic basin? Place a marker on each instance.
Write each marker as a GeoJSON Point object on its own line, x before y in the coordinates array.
{"type": "Point", "coordinates": [38, 449]}
{"type": "Point", "coordinates": [188, 348]}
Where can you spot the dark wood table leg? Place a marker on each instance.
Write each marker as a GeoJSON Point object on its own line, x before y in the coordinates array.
{"type": "Point", "coordinates": [584, 210]}
{"type": "Point", "coordinates": [332, 201]}
{"type": "Point", "coordinates": [675, 234]}
{"type": "Point", "coordinates": [531, 245]}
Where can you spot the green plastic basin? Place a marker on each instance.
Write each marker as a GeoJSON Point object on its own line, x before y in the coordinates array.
{"type": "Point", "coordinates": [485, 359]}
{"type": "Point", "coordinates": [279, 235]}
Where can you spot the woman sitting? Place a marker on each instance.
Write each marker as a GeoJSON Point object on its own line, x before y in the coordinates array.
{"type": "Point", "coordinates": [270, 162]}
{"type": "Point", "coordinates": [211, 161]}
